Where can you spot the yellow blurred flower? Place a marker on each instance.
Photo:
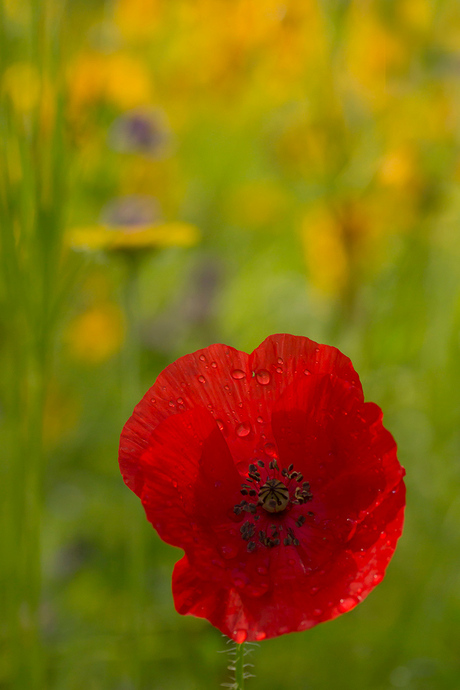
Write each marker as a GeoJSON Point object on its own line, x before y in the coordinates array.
{"type": "Point", "coordinates": [137, 19]}
{"type": "Point", "coordinates": [324, 250]}
{"type": "Point", "coordinates": [373, 54]}
{"type": "Point", "coordinates": [21, 81]}
{"type": "Point", "coordinates": [129, 239]}
{"type": "Point", "coordinates": [398, 168]}
{"type": "Point", "coordinates": [418, 14]}
{"type": "Point", "coordinates": [117, 78]}
{"type": "Point", "coordinates": [97, 334]}
{"type": "Point", "coordinates": [130, 223]}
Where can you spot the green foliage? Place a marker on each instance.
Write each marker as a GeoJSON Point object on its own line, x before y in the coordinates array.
{"type": "Point", "coordinates": [315, 146]}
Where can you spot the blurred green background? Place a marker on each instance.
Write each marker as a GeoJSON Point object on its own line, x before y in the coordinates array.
{"type": "Point", "coordinates": [180, 172]}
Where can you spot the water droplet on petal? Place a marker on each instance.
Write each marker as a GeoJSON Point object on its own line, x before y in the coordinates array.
{"type": "Point", "coordinates": [260, 636]}
{"type": "Point", "coordinates": [238, 374]}
{"type": "Point", "coordinates": [201, 379]}
{"type": "Point", "coordinates": [317, 612]}
{"type": "Point", "coordinates": [220, 424]}
{"type": "Point", "coordinates": [180, 401]}
{"type": "Point", "coordinates": [270, 448]}
{"type": "Point", "coordinates": [214, 365]}
{"type": "Point", "coordinates": [202, 358]}
{"type": "Point", "coordinates": [260, 420]}
{"type": "Point", "coordinates": [279, 370]}
{"type": "Point", "coordinates": [307, 372]}
{"type": "Point", "coordinates": [283, 630]}
{"type": "Point", "coordinates": [280, 360]}
{"type": "Point", "coordinates": [153, 400]}
{"type": "Point", "coordinates": [263, 377]}
{"type": "Point", "coordinates": [347, 604]}
{"type": "Point", "coordinates": [243, 429]}
{"type": "Point", "coordinates": [240, 636]}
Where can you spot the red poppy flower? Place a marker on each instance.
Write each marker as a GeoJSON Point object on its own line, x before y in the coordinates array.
{"type": "Point", "coordinates": [274, 476]}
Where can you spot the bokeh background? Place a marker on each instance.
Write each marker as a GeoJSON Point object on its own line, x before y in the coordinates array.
{"type": "Point", "coordinates": [180, 172]}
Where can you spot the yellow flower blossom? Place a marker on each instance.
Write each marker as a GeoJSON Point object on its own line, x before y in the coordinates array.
{"type": "Point", "coordinates": [373, 54]}
{"type": "Point", "coordinates": [324, 250]}
{"type": "Point", "coordinates": [117, 78]}
{"type": "Point", "coordinates": [21, 81]}
{"type": "Point", "coordinates": [131, 238]}
{"type": "Point", "coordinates": [398, 168]}
{"type": "Point", "coordinates": [137, 19]}
{"type": "Point", "coordinates": [97, 334]}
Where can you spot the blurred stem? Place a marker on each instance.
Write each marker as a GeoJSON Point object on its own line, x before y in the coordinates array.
{"type": "Point", "coordinates": [239, 667]}
{"type": "Point", "coordinates": [135, 524]}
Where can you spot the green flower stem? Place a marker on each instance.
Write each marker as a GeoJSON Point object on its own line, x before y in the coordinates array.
{"type": "Point", "coordinates": [131, 393]}
{"type": "Point", "coordinates": [239, 666]}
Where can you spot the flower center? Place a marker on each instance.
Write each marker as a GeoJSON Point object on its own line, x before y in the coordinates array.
{"type": "Point", "coordinates": [271, 498]}
{"type": "Point", "coordinates": [274, 496]}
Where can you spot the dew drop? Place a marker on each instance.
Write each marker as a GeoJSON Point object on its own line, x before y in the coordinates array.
{"type": "Point", "coordinates": [153, 400]}
{"type": "Point", "coordinates": [174, 483]}
{"type": "Point", "coordinates": [263, 377]}
{"type": "Point", "coordinates": [260, 420]}
{"type": "Point", "coordinates": [240, 636]}
{"type": "Point", "coordinates": [202, 358]}
{"type": "Point", "coordinates": [214, 365]}
{"type": "Point", "coordinates": [260, 636]}
{"type": "Point", "coordinates": [317, 612]}
{"type": "Point", "coordinates": [280, 360]}
{"type": "Point", "coordinates": [307, 372]}
{"type": "Point", "coordinates": [279, 370]}
{"type": "Point", "coordinates": [346, 604]}
{"type": "Point", "coordinates": [283, 630]}
{"type": "Point", "coordinates": [243, 429]}
{"type": "Point", "coordinates": [220, 424]}
{"type": "Point", "coordinates": [180, 401]}
{"type": "Point", "coordinates": [238, 374]}
{"type": "Point", "coordinates": [201, 379]}
{"type": "Point", "coordinates": [270, 448]}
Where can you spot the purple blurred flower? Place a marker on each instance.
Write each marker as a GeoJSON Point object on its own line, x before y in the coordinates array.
{"type": "Point", "coordinates": [133, 210]}
{"type": "Point", "coordinates": [143, 130]}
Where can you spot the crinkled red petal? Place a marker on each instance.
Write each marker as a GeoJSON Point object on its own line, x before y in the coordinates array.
{"type": "Point", "coordinates": [287, 600]}
{"type": "Point", "coordinates": [193, 436]}
{"type": "Point", "coordinates": [238, 389]}
{"type": "Point", "coordinates": [188, 482]}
